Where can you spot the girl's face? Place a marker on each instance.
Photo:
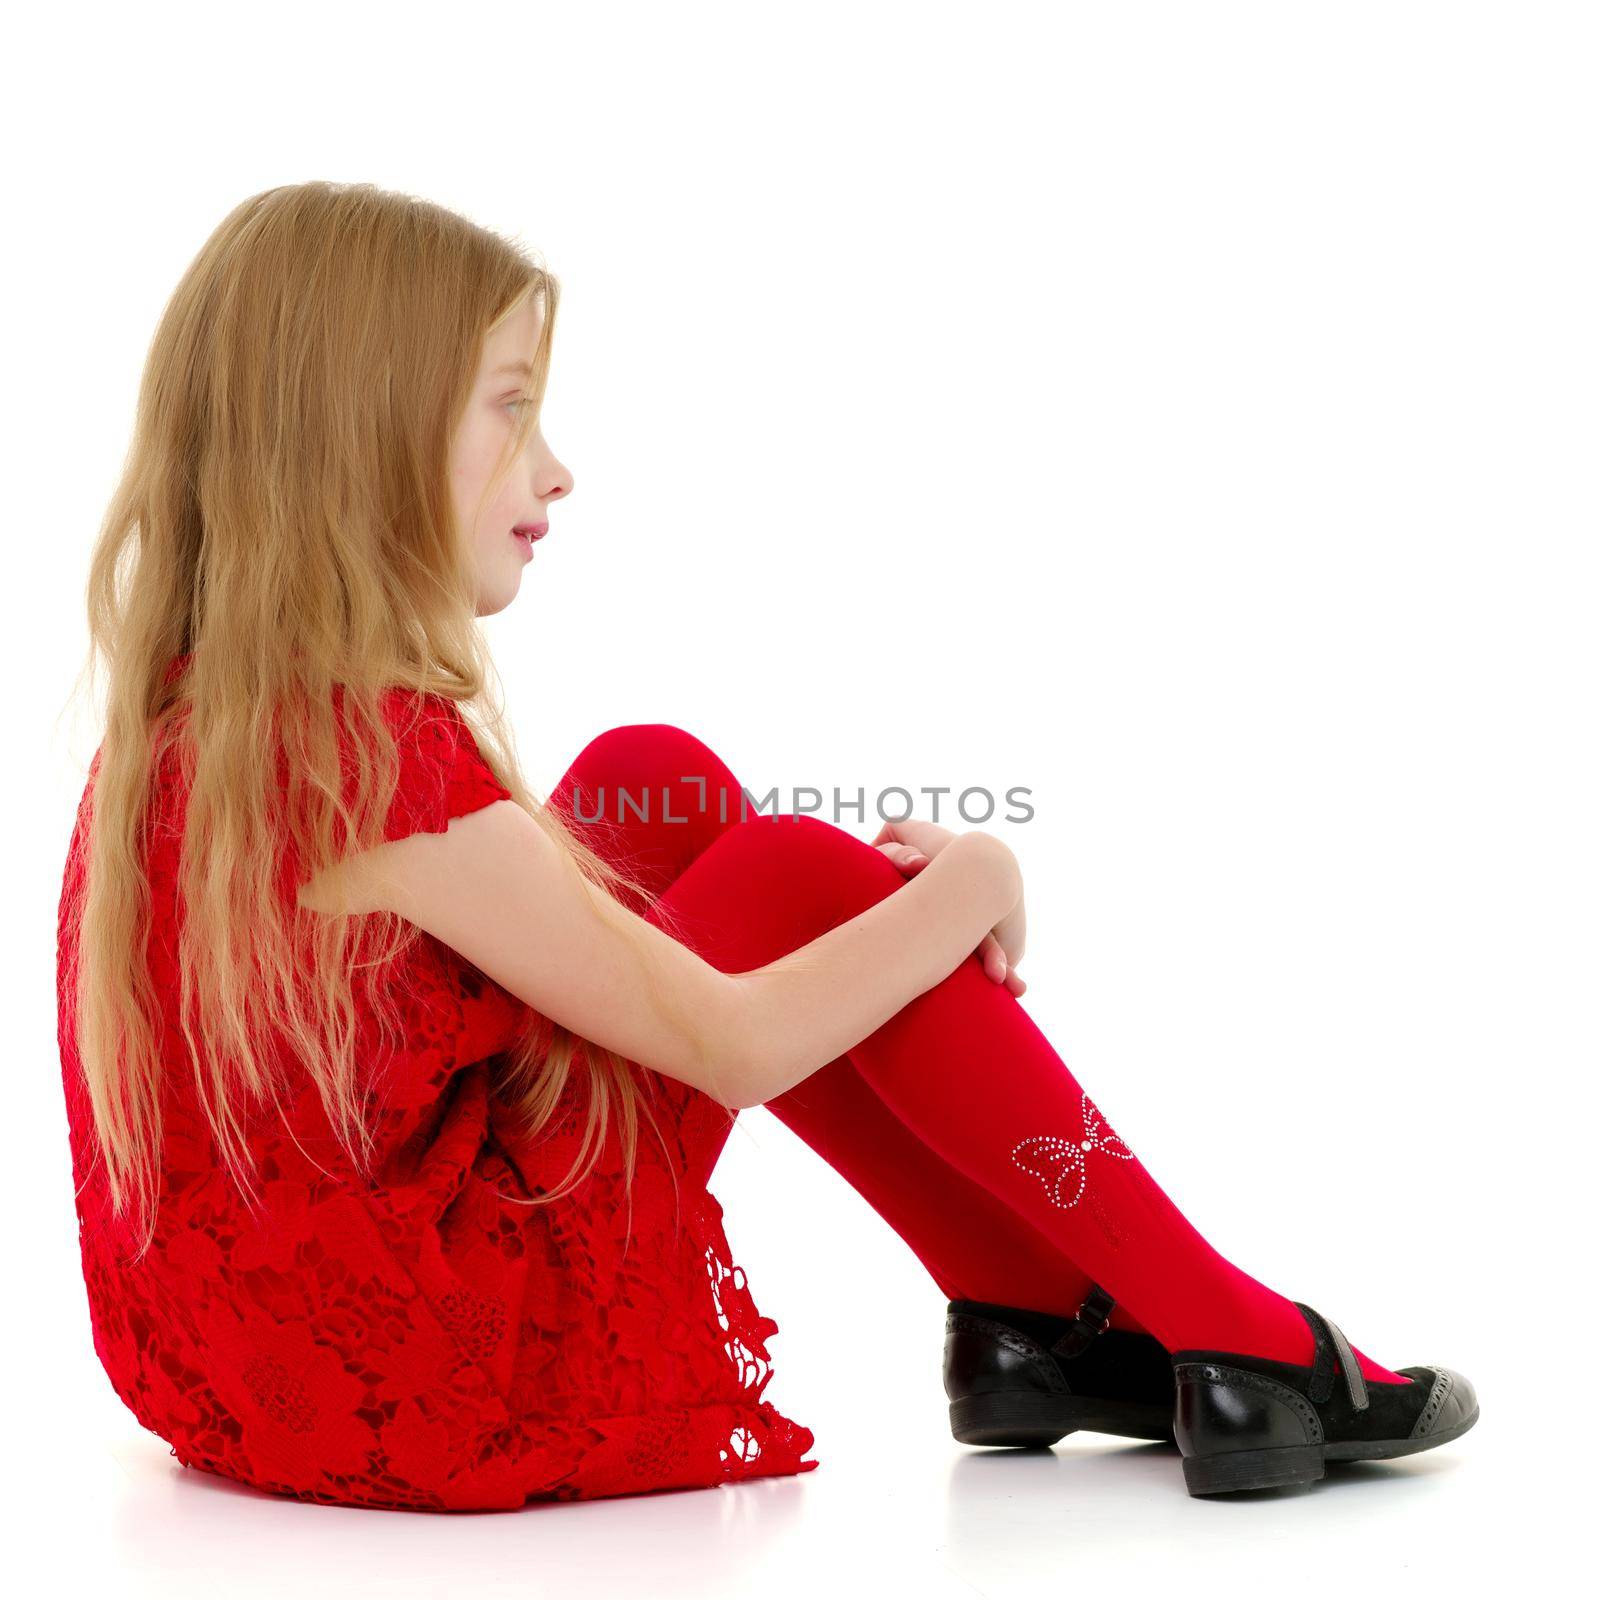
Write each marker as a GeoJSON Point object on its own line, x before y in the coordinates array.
{"type": "Point", "coordinates": [537, 477]}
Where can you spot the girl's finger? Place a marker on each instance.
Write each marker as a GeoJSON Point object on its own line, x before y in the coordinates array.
{"type": "Point", "coordinates": [909, 860]}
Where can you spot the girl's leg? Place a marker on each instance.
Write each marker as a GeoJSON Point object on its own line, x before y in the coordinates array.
{"type": "Point", "coordinates": [651, 798]}
{"type": "Point", "coordinates": [648, 797]}
{"type": "Point", "coordinates": [974, 1246]}
{"type": "Point", "coordinates": [964, 1067]}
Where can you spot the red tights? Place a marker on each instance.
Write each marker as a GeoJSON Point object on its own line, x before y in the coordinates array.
{"type": "Point", "coordinates": [956, 1120]}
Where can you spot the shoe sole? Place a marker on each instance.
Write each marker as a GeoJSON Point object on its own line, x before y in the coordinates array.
{"type": "Point", "coordinates": [1277, 1469]}
{"type": "Point", "coordinates": [1040, 1420]}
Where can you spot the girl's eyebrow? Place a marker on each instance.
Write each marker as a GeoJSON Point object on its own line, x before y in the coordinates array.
{"type": "Point", "coordinates": [524, 367]}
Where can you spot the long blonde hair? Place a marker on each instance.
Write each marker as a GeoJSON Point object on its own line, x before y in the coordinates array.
{"type": "Point", "coordinates": [284, 520]}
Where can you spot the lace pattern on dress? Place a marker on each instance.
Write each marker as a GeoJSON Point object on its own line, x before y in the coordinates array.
{"type": "Point", "coordinates": [427, 1342]}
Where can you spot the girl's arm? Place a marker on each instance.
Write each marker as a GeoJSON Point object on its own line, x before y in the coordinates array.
{"type": "Point", "coordinates": [497, 889]}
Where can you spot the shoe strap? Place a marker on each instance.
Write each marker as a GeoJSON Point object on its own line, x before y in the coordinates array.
{"type": "Point", "coordinates": [1089, 1321]}
{"type": "Point", "coordinates": [1332, 1346]}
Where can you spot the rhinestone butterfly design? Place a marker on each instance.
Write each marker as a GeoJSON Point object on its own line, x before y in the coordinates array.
{"type": "Point", "coordinates": [1062, 1165]}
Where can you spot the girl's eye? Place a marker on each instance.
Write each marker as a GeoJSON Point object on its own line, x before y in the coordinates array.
{"type": "Point", "coordinates": [521, 400]}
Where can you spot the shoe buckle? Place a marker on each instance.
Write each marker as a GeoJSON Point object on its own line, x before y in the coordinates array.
{"type": "Point", "coordinates": [1089, 1321]}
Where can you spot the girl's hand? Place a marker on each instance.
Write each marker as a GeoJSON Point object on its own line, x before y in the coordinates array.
{"type": "Point", "coordinates": [911, 845]}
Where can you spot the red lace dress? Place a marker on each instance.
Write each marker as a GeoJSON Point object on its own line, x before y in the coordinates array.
{"type": "Point", "coordinates": [425, 1342]}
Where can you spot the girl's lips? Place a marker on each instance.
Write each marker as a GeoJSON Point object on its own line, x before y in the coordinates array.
{"type": "Point", "coordinates": [531, 530]}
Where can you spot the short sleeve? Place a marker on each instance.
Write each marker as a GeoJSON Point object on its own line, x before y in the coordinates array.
{"type": "Point", "coordinates": [442, 774]}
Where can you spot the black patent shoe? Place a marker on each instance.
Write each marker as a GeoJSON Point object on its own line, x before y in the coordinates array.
{"type": "Point", "coordinates": [1243, 1422]}
{"type": "Point", "coordinates": [1020, 1377]}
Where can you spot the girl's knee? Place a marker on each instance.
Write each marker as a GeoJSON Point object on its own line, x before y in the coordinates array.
{"type": "Point", "coordinates": [652, 753]}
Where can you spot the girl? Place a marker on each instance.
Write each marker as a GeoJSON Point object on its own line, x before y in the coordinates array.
{"type": "Point", "coordinates": [357, 1035]}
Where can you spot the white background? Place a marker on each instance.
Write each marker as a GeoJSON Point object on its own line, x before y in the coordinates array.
{"type": "Point", "coordinates": [1188, 412]}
